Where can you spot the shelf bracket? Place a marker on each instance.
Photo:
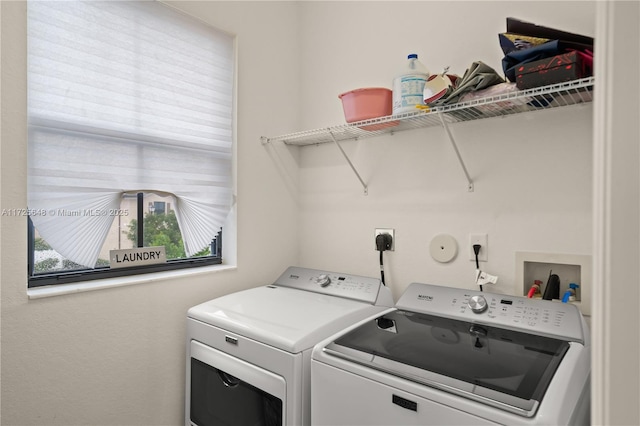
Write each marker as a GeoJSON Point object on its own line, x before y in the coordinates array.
{"type": "Point", "coordinates": [470, 187]}
{"type": "Point", "coordinates": [344, 154]}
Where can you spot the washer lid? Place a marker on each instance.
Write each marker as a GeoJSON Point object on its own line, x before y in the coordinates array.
{"type": "Point", "coordinates": [289, 319]}
{"type": "Point", "coordinates": [507, 369]}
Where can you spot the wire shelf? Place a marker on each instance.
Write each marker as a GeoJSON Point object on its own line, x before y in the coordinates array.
{"type": "Point", "coordinates": [539, 98]}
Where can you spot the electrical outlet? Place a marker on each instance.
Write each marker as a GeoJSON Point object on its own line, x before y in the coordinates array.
{"type": "Point", "coordinates": [481, 239]}
{"type": "Point", "coordinates": [389, 231]}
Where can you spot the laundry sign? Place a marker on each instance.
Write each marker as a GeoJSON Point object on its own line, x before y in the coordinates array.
{"type": "Point", "coordinates": [137, 256]}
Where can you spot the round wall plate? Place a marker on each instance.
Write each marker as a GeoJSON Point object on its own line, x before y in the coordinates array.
{"type": "Point", "coordinates": [443, 248]}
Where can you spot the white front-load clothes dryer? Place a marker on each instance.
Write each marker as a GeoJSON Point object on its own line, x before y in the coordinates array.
{"type": "Point", "coordinates": [450, 356]}
{"type": "Point", "coordinates": [249, 353]}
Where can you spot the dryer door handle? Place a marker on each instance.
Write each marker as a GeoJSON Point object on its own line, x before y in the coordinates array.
{"type": "Point", "coordinates": [228, 380]}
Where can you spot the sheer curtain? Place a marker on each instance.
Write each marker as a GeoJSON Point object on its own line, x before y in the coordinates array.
{"type": "Point", "coordinates": [125, 97]}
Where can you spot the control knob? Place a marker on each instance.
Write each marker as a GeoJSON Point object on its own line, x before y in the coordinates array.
{"type": "Point", "coordinates": [478, 304]}
{"type": "Point", "coordinates": [323, 280]}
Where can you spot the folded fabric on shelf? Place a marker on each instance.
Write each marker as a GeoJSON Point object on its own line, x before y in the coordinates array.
{"type": "Point", "coordinates": [478, 76]}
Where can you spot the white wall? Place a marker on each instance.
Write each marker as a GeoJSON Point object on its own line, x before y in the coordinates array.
{"type": "Point", "coordinates": [532, 173]}
{"type": "Point", "coordinates": [117, 356]}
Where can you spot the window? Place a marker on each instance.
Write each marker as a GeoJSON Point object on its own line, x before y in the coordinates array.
{"type": "Point", "coordinates": [130, 136]}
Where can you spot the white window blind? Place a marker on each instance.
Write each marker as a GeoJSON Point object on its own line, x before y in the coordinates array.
{"type": "Point", "coordinates": [125, 97]}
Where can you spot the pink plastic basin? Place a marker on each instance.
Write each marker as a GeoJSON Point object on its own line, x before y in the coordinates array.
{"type": "Point", "coordinates": [368, 103]}
{"type": "Point", "coordinates": [363, 104]}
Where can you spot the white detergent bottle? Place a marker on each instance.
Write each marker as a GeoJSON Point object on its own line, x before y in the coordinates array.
{"type": "Point", "coordinates": [408, 87]}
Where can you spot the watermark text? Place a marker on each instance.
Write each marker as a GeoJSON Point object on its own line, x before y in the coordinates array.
{"type": "Point", "coordinates": [65, 212]}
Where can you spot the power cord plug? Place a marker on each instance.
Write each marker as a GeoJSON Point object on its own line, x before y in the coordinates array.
{"type": "Point", "coordinates": [476, 250]}
{"type": "Point", "coordinates": [482, 277]}
{"type": "Point", "coordinates": [383, 243]}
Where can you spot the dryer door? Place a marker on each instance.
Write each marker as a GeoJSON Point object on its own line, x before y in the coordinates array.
{"type": "Point", "coordinates": [228, 391]}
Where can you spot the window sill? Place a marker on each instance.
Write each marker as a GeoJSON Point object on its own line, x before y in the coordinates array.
{"type": "Point", "coordinates": [61, 289]}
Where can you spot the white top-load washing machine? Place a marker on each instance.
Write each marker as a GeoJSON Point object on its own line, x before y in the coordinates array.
{"type": "Point", "coordinates": [249, 353]}
{"type": "Point", "coordinates": [448, 356]}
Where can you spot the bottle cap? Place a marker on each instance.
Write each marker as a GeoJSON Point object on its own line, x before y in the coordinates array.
{"type": "Point", "coordinates": [412, 56]}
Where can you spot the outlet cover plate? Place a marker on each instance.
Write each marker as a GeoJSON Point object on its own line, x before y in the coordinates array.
{"type": "Point", "coordinates": [481, 239]}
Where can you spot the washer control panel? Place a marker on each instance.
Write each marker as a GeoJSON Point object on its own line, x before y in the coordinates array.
{"type": "Point", "coordinates": [543, 317]}
{"type": "Point", "coordinates": [365, 289]}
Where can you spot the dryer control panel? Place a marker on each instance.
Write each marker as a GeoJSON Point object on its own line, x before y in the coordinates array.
{"type": "Point", "coordinates": [364, 289]}
{"type": "Point", "coordinates": [542, 317]}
